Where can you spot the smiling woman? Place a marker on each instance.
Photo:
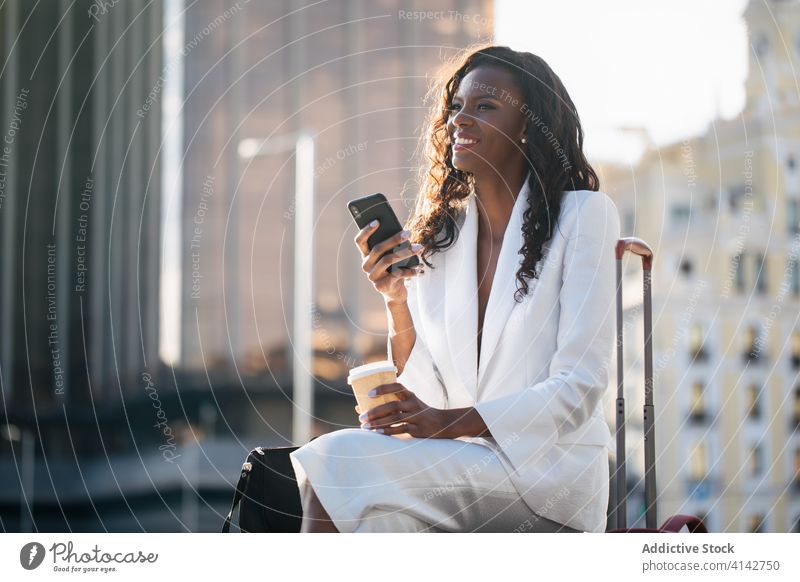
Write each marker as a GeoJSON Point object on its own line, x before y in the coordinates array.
{"type": "Point", "coordinates": [503, 346]}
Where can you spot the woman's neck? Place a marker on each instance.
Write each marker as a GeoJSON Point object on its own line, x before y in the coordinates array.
{"type": "Point", "coordinates": [496, 197]}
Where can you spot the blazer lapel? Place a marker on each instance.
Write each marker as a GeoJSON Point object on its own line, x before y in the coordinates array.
{"type": "Point", "coordinates": [461, 289]}
{"type": "Point", "coordinates": [461, 300]}
{"type": "Point", "coordinates": [504, 284]}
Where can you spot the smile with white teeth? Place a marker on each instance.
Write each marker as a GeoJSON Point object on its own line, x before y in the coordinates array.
{"type": "Point", "coordinates": [465, 141]}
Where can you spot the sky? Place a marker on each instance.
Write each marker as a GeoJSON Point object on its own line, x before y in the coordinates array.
{"type": "Point", "coordinates": [670, 67]}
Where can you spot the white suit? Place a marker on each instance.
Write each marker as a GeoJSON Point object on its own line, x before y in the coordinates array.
{"type": "Point", "coordinates": [544, 364]}
{"type": "Point", "coordinates": [543, 371]}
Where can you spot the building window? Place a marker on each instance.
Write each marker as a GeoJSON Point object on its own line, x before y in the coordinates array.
{"type": "Point", "coordinates": [761, 45]}
{"type": "Point", "coordinates": [756, 461]}
{"type": "Point", "coordinates": [756, 523]}
{"type": "Point", "coordinates": [629, 222]}
{"type": "Point", "coordinates": [792, 217]}
{"type": "Point", "coordinates": [794, 277]}
{"type": "Point", "coordinates": [697, 408]}
{"type": "Point", "coordinates": [796, 349]}
{"type": "Point", "coordinates": [795, 422]}
{"type": "Point", "coordinates": [686, 267]}
{"type": "Point", "coordinates": [753, 345]}
{"type": "Point", "coordinates": [796, 479]}
{"type": "Point", "coordinates": [736, 195]}
{"type": "Point", "coordinates": [754, 402]}
{"type": "Point", "coordinates": [761, 272]}
{"type": "Point", "coordinates": [698, 462]}
{"type": "Point", "coordinates": [681, 214]}
{"type": "Point", "coordinates": [738, 269]}
{"type": "Point", "coordinates": [697, 349]}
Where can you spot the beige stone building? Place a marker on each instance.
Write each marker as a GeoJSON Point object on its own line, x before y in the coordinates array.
{"type": "Point", "coordinates": [721, 211]}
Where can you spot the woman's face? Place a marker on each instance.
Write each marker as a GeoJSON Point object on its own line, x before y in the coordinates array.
{"type": "Point", "coordinates": [487, 121]}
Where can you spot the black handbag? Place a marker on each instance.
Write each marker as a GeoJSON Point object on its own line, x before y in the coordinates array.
{"type": "Point", "coordinates": [268, 492]}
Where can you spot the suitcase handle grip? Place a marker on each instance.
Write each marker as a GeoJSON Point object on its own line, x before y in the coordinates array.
{"type": "Point", "coordinates": [638, 247]}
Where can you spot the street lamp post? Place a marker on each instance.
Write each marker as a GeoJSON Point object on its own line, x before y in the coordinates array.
{"type": "Point", "coordinates": [303, 277]}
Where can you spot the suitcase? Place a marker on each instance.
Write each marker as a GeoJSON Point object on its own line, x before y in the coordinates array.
{"type": "Point", "coordinates": [675, 523]}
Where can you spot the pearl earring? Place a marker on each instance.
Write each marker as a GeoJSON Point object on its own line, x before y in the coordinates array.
{"type": "Point", "coordinates": [524, 140]}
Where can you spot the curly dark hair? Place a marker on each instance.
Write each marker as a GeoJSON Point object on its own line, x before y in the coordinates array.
{"type": "Point", "coordinates": [554, 154]}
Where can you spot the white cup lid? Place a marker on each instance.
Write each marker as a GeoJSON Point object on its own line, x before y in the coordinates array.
{"type": "Point", "coordinates": [371, 368]}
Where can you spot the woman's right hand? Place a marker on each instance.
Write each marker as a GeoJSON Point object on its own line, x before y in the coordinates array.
{"type": "Point", "coordinates": [390, 285]}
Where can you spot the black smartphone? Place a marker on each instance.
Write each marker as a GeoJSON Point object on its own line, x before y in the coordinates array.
{"type": "Point", "coordinates": [366, 209]}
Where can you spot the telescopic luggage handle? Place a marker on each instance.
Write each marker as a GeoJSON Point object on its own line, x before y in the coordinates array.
{"type": "Point", "coordinates": [638, 247]}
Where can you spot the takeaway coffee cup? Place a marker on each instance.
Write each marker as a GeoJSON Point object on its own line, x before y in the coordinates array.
{"type": "Point", "coordinates": [365, 378]}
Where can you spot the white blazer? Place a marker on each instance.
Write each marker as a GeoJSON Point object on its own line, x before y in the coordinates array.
{"type": "Point", "coordinates": [544, 365]}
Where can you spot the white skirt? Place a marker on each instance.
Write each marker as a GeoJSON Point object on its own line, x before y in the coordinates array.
{"type": "Point", "coordinates": [371, 482]}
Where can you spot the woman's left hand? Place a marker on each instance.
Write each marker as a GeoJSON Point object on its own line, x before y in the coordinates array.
{"type": "Point", "coordinates": [419, 420]}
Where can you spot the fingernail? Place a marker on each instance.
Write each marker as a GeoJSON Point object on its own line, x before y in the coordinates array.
{"type": "Point", "coordinates": [374, 223]}
{"type": "Point", "coordinates": [362, 417]}
{"type": "Point", "coordinates": [416, 247]}
{"type": "Point", "coordinates": [405, 235]}
{"type": "Point", "coordinates": [378, 430]}
{"type": "Point", "coordinates": [373, 392]}
{"type": "Point", "coordinates": [366, 425]}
